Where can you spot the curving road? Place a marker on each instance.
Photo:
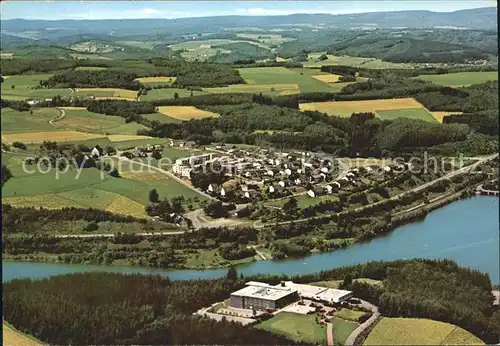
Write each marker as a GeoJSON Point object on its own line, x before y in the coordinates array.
{"type": "Point", "coordinates": [374, 309]}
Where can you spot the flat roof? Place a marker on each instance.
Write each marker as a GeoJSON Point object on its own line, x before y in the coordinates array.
{"type": "Point", "coordinates": [317, 292]}
{"type": "Point", "coordinates": [263, 291]}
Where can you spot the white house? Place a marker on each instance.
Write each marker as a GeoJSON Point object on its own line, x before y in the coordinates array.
{"type": "Point", "coordinates": [281, 183]}
{"type": "Point", "coordinates": [315, 192]}
{"type": "Point", "coordinates": [336, 183]}
{"type": "Point", "coordinates": [271, 189]}
{"type": "Point", "coordinates": [95, 152]}
{"type": "Point", "coordinates": [324, 169]}
{"type": "Point", "coordinates": [387, 169]}
{"type": "Point", "coordinates": [270, 173]}
{"type": "Point", "coordinates": [288, 171]}
{"type": "Point", "coordinates": [350, 175]}
{"type": "Point", "coordinates": [222, 192]}
{"type": "Point", "coordinates": [244, 187]}
{"type": "Point", "coordinates": [297, 181]}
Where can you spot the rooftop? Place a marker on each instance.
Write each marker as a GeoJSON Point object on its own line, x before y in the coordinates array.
{"type": "Point", "coordinates": [316, 292]}
{"type": "Point", "coordinates": [263, 291]}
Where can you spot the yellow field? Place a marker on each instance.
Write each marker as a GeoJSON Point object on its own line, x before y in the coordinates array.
{"type": "Point", "coordinates": [121, 138]}
{"type": "Point", "coordinates": [57, 136]}
{"type": "Point", "coordinates": [144, 176]}
{"type": "Point", "coordinates": [48, 201]}
{"type": "Point", "coordinates": [5, 77]}
{"type": "Point", "coordinates": [440, 115]}
{"type": "Point", "coordinates": [253, 88]}
{"type": "Point", "coordinates": [349, 107]}
{"type": "Point", "coordinates": [122, 93]}
{"type": "Point", "coordinates": [327, 78]}
{"type": "Point", "coordinates": [126, 206]}
{"type": "Point", "coordinates": [280, 59]}
{"type": "Point", "coordinates": [155, 79]}
{"type": "Point", "coordinates": [185, 112]}
{"type": "Point", "coordinates": [419, 331]}
{"type": "Point", "coordinates": [12, 337]}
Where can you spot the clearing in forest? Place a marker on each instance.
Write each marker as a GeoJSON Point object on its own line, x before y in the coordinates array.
{"type": "Point", "coordinates": [256, 88]}
{"type": "Point", "coordinates": [156, 80]}
{"type": "Point", "coordinates": [107, 93]}
{"type": "Point", "coordinates": [440, 115]}
{"type": "Point", "coordinates": [419, 331]}
{"type": "Point", "coordinates": [327, 78]}
{"type": "Point", "coordinates": [185, 112]}
{"type": "Point", "coordinates": [346, 108]}
{"type": "Point", "coordinates": [460, 78]}
{"type": "Point", "coordinates": [121, 138]}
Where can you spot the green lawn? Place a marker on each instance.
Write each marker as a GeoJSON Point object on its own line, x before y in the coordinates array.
{"type": "Point", "coordinates": [460, 78]}
{"type": "Point", "coordinates": [336, 283]}
{"type": "Point", "coordinates": [299, 328]}
{"type": "Point", "coordinates": [418, 331]}
{"type": "Point", "coordinates": [349, 61]}
{"type": "Point", "coordinates": [349, 315]}
{"type": "Point", "coordinates": [411, 113]}
{"type": "Point", "coordinates": [21, 87]}
{"type": "Point", "coordinates": [14, 121]}
{"type": "Point", "coordinates": [168, 93]}
{"type": "Point", "coordinates": [342, 329]}
{"type": "Point", "coordinates": [281, 75]}
{"type": "Point", "coordinates": [161, 118]}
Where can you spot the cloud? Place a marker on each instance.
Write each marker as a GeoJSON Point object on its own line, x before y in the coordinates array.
{"type": "Point", "coordinates": [149, 11]}
{"type": "Point", "coordinates": [256, 11]}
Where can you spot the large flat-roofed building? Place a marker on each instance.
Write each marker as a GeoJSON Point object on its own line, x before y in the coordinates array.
{"type": "Point", "coordinates": [322, 294]}
{"type": "Point", "coordinates": [262, 296]}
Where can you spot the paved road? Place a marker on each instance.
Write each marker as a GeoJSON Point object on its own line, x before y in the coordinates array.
{"type": "Point", "coordinates": [374, 309]}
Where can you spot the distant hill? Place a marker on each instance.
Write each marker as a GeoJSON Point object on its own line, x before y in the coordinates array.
{"type": "Point", "coordinates": [481, 18]}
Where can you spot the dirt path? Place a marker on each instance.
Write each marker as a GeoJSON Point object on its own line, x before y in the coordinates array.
{"type": "Point", "coordinates": [329, 334]}
{"type": "Point", "coordinates": [59, 117]}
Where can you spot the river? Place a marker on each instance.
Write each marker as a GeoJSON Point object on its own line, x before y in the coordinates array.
{"type": "Point", "coordinates": [465, 231]}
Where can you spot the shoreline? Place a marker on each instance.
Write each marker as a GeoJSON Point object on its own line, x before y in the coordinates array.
{"type": "Point", "coordinates": [419, 212]}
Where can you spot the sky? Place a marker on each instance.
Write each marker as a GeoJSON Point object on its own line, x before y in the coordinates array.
{"type": "Point", "coordinates": [53, 10]}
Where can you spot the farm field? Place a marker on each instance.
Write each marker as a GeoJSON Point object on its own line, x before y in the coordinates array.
{"type": "Point", "coordinates": [185, 112]}
{"type": "Point", "coordinates": [342, 329]}
{"type": "Point", "coordinates": [126, 195]}
{"type": "Point", "coordinates": [411, 113]}
{"type": "Point", "coordinates": [281, 75]}
{"type": "Point", "coordinates": [268, 39]}
{"type": "Point", "coordinates": [299, 328]}
{"type": "Point", "coordinates": [461, 78]}
{"type": "Point", "coordinates": [440, 115]}
{"type": "Point", "coordinates": [14, 121]}
{"type": "Point", "coordinates": [349, 61]}
{"type": "Point", "coordinates": [192, 45]}
{"type": "Point", "coordinates": [413, 331]}
{"type": "Point", "coordinates": [269, 89]}
{"type": "Point", "coordinates": [90, 68]}
{"type": "Point", "coordinates": [346, 108]}
{"type": "Point", "coordinates": [168, 93]}
{"type": "Point", "coordinates": [103, 93]}
{"type": "Point", "coordinates": [21, 87]}
{"type": "Point", "coordinates": [329, 78]}
{"type": "Point", "coordinates": [154, 81]}
{"type": "Point", "coordinates": [13, 337]}
{"type": "Point", "coordinates": [161, 118]}
{"type": "Point", "coordinates": [57, 136]}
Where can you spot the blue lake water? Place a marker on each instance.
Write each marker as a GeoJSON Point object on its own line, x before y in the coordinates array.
{"type": "Point", "coordinates": [466, 231]}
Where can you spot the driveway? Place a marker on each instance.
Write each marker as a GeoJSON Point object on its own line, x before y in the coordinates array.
{"type": "Point", "coordinates": [374, 309]}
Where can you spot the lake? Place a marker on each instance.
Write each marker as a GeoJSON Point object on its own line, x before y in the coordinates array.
{"type": "Point", "coordinates": [465, 231]}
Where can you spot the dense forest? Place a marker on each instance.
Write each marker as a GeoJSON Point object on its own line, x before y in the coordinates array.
{"type": "Point", "coordinates": [92, 79]}
{"type": "Point", "coordinates": [145, 310]}
{"type": "Point", "coordinates": [153, 310]}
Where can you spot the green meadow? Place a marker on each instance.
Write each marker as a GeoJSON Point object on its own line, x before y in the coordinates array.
{"type": "Point", "coordinates": [460, 78]}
